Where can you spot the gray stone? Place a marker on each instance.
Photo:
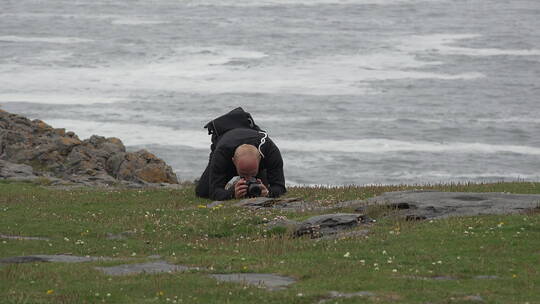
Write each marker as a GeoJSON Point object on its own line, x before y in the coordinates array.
{"type": "Point", "coordinates": [473, 298]}
{"type": "Point", "coordinates": [346, 234]}
{"type": "Point", "coordinates": [17, 237]}
{"type": "Point", "coordinates": [335, 294]}
{"type": "Point", "coordinates": [328, 224]}
{"type": "Point", "coordinates": [486, 277]}
{"type": "Point", "coordinates": [64, 258]}
{"type": "Point", "coordinates": [150, 267]}
{"type": "Point", "coordinates": [215, 204]}
{"type": "Point", "coordinates": [282, 222]}
{"type": "Point", "coordinates": [264, 280]}
{"type": "Point", "coordinates": [120, 236]}
{"type": "Point", "coordinates": [418, 205]}
{"type": "Point", "coordinates": [94, 161]}
{"type": "Point", "coordinates": [293, 204]}
{"type": "Point", "coordinates": [263, 202]}
{"type": "Point", "coordinates": [434, 278]}
{"type": "Point", "coordinates": [9, 170]}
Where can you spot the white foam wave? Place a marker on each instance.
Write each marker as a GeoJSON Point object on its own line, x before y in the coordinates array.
{"type": "Point", "coordinates": [135, 21]}
{"type": "Point", "coordinates": [219, 69]}
{"type": "Point", "coordinates": [259, 3]}
{"type": "Point", "coordinates": [139, 134]}
{"type": "Point", "coordinates": [386, 145]}
{"type": "Point", "coordinates": [60, 40]}
{"type": "Point", "coordinates": [442, 44]}
{"type": "Point", "coordinates": [135, 134]}
{"type": "Point", "coordinates": [51, 98]}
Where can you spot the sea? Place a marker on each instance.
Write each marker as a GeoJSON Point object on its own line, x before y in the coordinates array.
{"type": "Point", "coordinates": [353, 92]}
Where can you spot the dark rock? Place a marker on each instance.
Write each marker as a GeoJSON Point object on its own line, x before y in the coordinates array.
{"type": "Point", "coordinates": [14, 171]}
{"type": "Point", "coordinates": [473, 298]}
{"type": "Point", "coordinates": [268, 281]}
{"type": "Point", "coordinates": [52, 258]}
{"type": "Point", "coordinates": [215, 204]}
{"type": "Point", "coordinates": [334, 294]}
{"type": "Point", "coordinates": [419, 205]}
{"type": "Point", "coordinates": [486, 277]}
{"type": "Point", "coordinates": [264, 202]}
{"type": "Point", "coordinates": [17, 237]}
{"type": "Point", "coordinates": [62, 154]}
{"type": "Point", "coordinates": [120, 236]}
{"type": "Point", "coordinates": [434, 278]}
{"type": "Point", "coordinates": [151, 267]}
{"type": "Point", "coordinates": [22, 259]}
{"type": "Point", "coordinates": [327, 224]}
{"type": "Point", "coordinates": [282, 222]}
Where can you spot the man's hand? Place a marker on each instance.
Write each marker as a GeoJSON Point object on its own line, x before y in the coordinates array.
{"type": "Point", "coordinates": [240, 188]}
{"type": "Point", "coordinates": [264, 190]}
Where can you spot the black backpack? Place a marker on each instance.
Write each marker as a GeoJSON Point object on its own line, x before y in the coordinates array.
{"type": "Point", "coordinates": [237, 118]}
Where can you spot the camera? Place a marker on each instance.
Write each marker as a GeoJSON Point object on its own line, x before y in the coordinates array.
{"type": "Point", "coordinates": [254, 187]}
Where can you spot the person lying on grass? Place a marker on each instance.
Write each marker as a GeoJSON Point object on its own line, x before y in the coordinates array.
{"type": "Point", "coordinates": [249, 154]}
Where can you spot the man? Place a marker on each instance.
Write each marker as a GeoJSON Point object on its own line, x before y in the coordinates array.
{"type": "Point", "coordinates": [247, 153]}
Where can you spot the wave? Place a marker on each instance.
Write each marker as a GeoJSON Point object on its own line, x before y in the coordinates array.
{"type": "Point", "coordinates": [139, 134]}
{"type": "Point", "coordinates": [134, 21]}
{"type": "Point", "coordinates": [210, 70]}
{"type": "Point", "coordinates": [60, 40]}
{"type": "Point", "coordinates": [262, 3]}
{"type": "Point", "coordinates": [388, 145]}
{"type": "Point", "coordinates": [49, 98]}
{"type": "Point", "coordinates": [442, 44]}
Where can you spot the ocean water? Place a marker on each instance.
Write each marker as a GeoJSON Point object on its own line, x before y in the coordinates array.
{"type": "Point", "coordinates": [352, 91]}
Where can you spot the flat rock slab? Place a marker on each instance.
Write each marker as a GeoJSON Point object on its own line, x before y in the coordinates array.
{"type": "Point", "coordinates": [328, 224]}
{"type": "Point", "coordinates": [264, 202]}
{"type": "Point", "coordinates": [417, 205]}
{"type": "Point", "coordinates": [24, 238]}
{"type": "Point", "coordinates": [334, 294]}
{"type": "Point", "coordinates": [268, 281]}
{"type": "Point", "coordinates": [151, 267]}
{"type": "Point", "coordinates": [64, 258]}
{"type": "Point", "coordinates": [120, 236]}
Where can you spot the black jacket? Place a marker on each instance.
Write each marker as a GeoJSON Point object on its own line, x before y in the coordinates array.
{"type": "Point", "coordinates": [222, 168]}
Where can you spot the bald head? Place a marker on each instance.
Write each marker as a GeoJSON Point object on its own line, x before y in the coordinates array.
{"type": "Point", "coordinates": [246, 160]}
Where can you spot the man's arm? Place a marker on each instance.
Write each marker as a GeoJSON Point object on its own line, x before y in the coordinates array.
{"type": "Point", "coordinates": [219, 178]}
{"type": "Point", "coordinates": [274, 170]}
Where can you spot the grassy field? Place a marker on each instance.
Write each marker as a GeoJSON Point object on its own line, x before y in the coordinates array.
{"type": "Point", "coordinates": [398, 261]}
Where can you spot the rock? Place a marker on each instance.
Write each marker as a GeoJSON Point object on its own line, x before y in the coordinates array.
{"type": "Point", "coordinates": [434, 278]}
{"type": "Point", "coordinates": [335, 294]}
{"type": "Point", "coordinates": [17, 237]}
{"type": "Point", "coordinates": [94, 161]}
{"type": "Point", "coordinates": [215, 204]}
{"type": "Point", "coordinates": [13, 171]}
{"type": "Point", "coordinates": [268, 281]}
{"type": "Point", "coordinates": [293, 204]}
{"type": "Point", "coordinates": [52, 258]}
{"type": "Point", "coordinates": [282, 222]}
{"type": "Point", "coordinates": [417, 205]}
{"type": "Point", "coordinates": [141, 166]}
{"type": "Point", "coordinates": [151, 267]}
{"type": "Point", "coordinates": [486, 277]}
{"type": "Point", "coordinates": [120, 236]}
{"type": "Point", "coordinates": [327, 224]}
{"type": "Point", "coordinates": [473, 298]}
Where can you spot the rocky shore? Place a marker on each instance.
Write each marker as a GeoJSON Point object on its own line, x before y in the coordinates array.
{"type": "Point", "coordinates": [33, 150]}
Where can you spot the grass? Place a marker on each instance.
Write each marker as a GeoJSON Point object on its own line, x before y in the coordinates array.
{"type": "Point", "coordinates": [394, 261]}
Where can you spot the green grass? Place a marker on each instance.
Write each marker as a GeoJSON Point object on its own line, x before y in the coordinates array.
{"type": "Point", "coordinates": [390, 262]}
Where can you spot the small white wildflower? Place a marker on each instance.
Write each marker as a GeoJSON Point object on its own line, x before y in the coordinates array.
{"type": "Point", "coordinates": [346, 255]}
{"type": "Point", "coordinates": [394, 270]}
